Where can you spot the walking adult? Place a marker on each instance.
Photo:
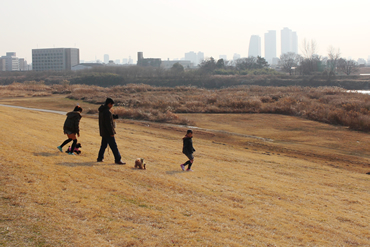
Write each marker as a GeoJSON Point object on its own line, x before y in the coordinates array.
{"type": "Point", "coordinates": [72, 128]}
{"type": "Point", "coordinates": [107, 132]}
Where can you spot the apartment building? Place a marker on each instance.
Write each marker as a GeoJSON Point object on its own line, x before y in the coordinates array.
{"type": "Point", "coordinates": [57, 59]}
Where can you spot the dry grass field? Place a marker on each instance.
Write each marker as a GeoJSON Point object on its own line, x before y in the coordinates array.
{"type": "Point", "coordinates": [305, 184]}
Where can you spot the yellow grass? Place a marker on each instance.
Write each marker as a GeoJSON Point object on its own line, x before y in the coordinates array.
{"type": "Point", "coordinates": [271, 194]}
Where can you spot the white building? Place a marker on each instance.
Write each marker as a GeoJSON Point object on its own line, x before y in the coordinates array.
{"type": "Point", "coordinates": [254, 46]}
{"type": "Point", "coordinates": [192, 57]}
{"type": "Point", "coordinates": [289, 41]}
{"type": "Point", "coordinates": [270, 45]}
{"type": "Point", "coordinates": [55, 59]}
{"type": "Point", "coordinates": [200, 57]}
{"type": "Point", "coordinates": [10, 62]}
{"type": "Point", "coordinates": [106, 58]}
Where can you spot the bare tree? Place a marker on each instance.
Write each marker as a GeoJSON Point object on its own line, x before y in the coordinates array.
{"type": "Point", "coordinates": [333, 57]}
{"type": "Point", "coordinates": [312, 61]}
{"type": "Point", "coordinates": [309, 48]}
{"type": "Point", "coordinates": [347, 66]}
{"type": "Point", "coordinates": [288, 61]}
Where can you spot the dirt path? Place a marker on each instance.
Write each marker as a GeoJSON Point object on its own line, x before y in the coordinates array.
{"type": "Point", "coordinates": [35, 109]}
{"type": "Point", "coordinates": [167, 124]}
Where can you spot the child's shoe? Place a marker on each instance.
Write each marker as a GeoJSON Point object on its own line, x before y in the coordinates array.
{"type": "Point", "coordinates": [71, 153]}
{"type": "Point", "coordinates": [60, 149]}
{"type": "Point", "coordinates": [189, 170]}
{"type": "Point", "coordinates": [182, 167]}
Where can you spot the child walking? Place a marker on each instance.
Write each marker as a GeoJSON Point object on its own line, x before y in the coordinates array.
{"type": "Point", "coordinates": [188, 150]}
{"type": "Point", "coordinates": [71, 128]}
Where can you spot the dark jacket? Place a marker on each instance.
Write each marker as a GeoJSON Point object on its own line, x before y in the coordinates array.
{"type": "Point", "coordinates": [72, 123]}
{"type": "Point", "coordinates": [106, 125]}
{"type": "Point", "coordinates": [187, 145]}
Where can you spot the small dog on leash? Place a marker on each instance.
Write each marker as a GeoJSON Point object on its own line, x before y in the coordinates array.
{"type": "Point", "coordinates": [77, 149]}
{"type": "Point", "coordinates": [139, 163]}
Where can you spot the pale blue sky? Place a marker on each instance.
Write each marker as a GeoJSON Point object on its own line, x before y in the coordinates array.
{"type": "Point", "coordinates": [169, 28]}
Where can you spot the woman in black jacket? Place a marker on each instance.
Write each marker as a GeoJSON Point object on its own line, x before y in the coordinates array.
{"type": "Point", "coordinates": [188, 150]}
{"type": "Point", "coordinates": [71, 128]}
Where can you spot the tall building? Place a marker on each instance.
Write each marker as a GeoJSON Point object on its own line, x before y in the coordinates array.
{"type": "Point", "coordinates": [295, 42]}
{"type": "Point", "coordinates": [200, 57]}
{"type": "Point", "coordinates": [254, 46]}
{"type": "Point", "coordinates": [124, 60]}
{"type": "Point", "coordinates": [289, 41]}
{"type": "Point", "coordinates": [10, 62]}
{"type": "Point", "coordinates": [2, 65]}
{"type": "Point", "coordinates": [106, 58]}
{"type": "Point", "coordinates": [270, 45]}
{"type": "Point", "coordinates": [55, 59]}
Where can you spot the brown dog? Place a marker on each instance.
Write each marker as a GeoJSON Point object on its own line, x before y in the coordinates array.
{"type": "Point", "coordinates": [139, 163]}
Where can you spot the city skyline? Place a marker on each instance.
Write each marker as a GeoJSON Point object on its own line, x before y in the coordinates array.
{"type": "Point", "coordinates": [168, 29]}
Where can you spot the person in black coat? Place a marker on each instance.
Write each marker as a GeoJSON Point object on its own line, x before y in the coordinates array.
{"type": "Point", "coordinates": [188, 150]}
{"type": "Point", "coordinates": [72, 128]}
{"type": "Point", "coordinates": [107, 132]}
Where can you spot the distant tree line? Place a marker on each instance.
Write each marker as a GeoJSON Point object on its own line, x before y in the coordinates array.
{"type": "Point", "coordinates": [304, 70]}
{"type": "Point", "coordinates": [311, 63]}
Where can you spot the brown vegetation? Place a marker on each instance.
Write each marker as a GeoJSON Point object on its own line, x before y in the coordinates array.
{"type": "Point", "coordinates": [33, 89]}
{"type": "Point", "coordinates": [326, 104]}
{"type": "Point", "coordinates": [162, 104]}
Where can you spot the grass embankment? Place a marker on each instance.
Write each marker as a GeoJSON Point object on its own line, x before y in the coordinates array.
{"type": "Point", "coordinates": [235, 197]}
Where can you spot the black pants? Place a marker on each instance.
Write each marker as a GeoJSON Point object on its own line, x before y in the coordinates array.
{"type": "Point", "coordinates": [113, 146]}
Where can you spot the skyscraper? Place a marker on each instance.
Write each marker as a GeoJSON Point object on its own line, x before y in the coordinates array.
{"type": "Point", "coordinates": [295, 42]}
{"type": "Point", "coordinates": [289, 41]}
{"type": "Point", "coordinates": [254, 46]}
{"type": "Point", "coordinates": [106, 58]}
{"type": "Point", "coordinates": [270, 45]}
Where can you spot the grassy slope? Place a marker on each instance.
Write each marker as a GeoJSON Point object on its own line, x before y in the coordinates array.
{"type": "Point", "coordinates": [235, 197]}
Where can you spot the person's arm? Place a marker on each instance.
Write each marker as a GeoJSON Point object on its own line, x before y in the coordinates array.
{"type": "Point", "coordinates": [77, 126]}
{"type": "Point", "coordinates": [191, 146]}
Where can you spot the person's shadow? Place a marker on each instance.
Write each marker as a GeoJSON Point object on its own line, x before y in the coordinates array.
{"type": "Point", "coordinates": [45, 154]}
{"type": "Point", "coordinates": [173, 172]}
{"type": "Point", "coordinates": [74, 164]}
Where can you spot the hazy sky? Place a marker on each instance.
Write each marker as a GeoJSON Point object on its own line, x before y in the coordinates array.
{"type": "Point", "coordinates": [169, 28]}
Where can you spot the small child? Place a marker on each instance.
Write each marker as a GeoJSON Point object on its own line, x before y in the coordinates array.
{"type": "Point", "coordinates": [188, 150]}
